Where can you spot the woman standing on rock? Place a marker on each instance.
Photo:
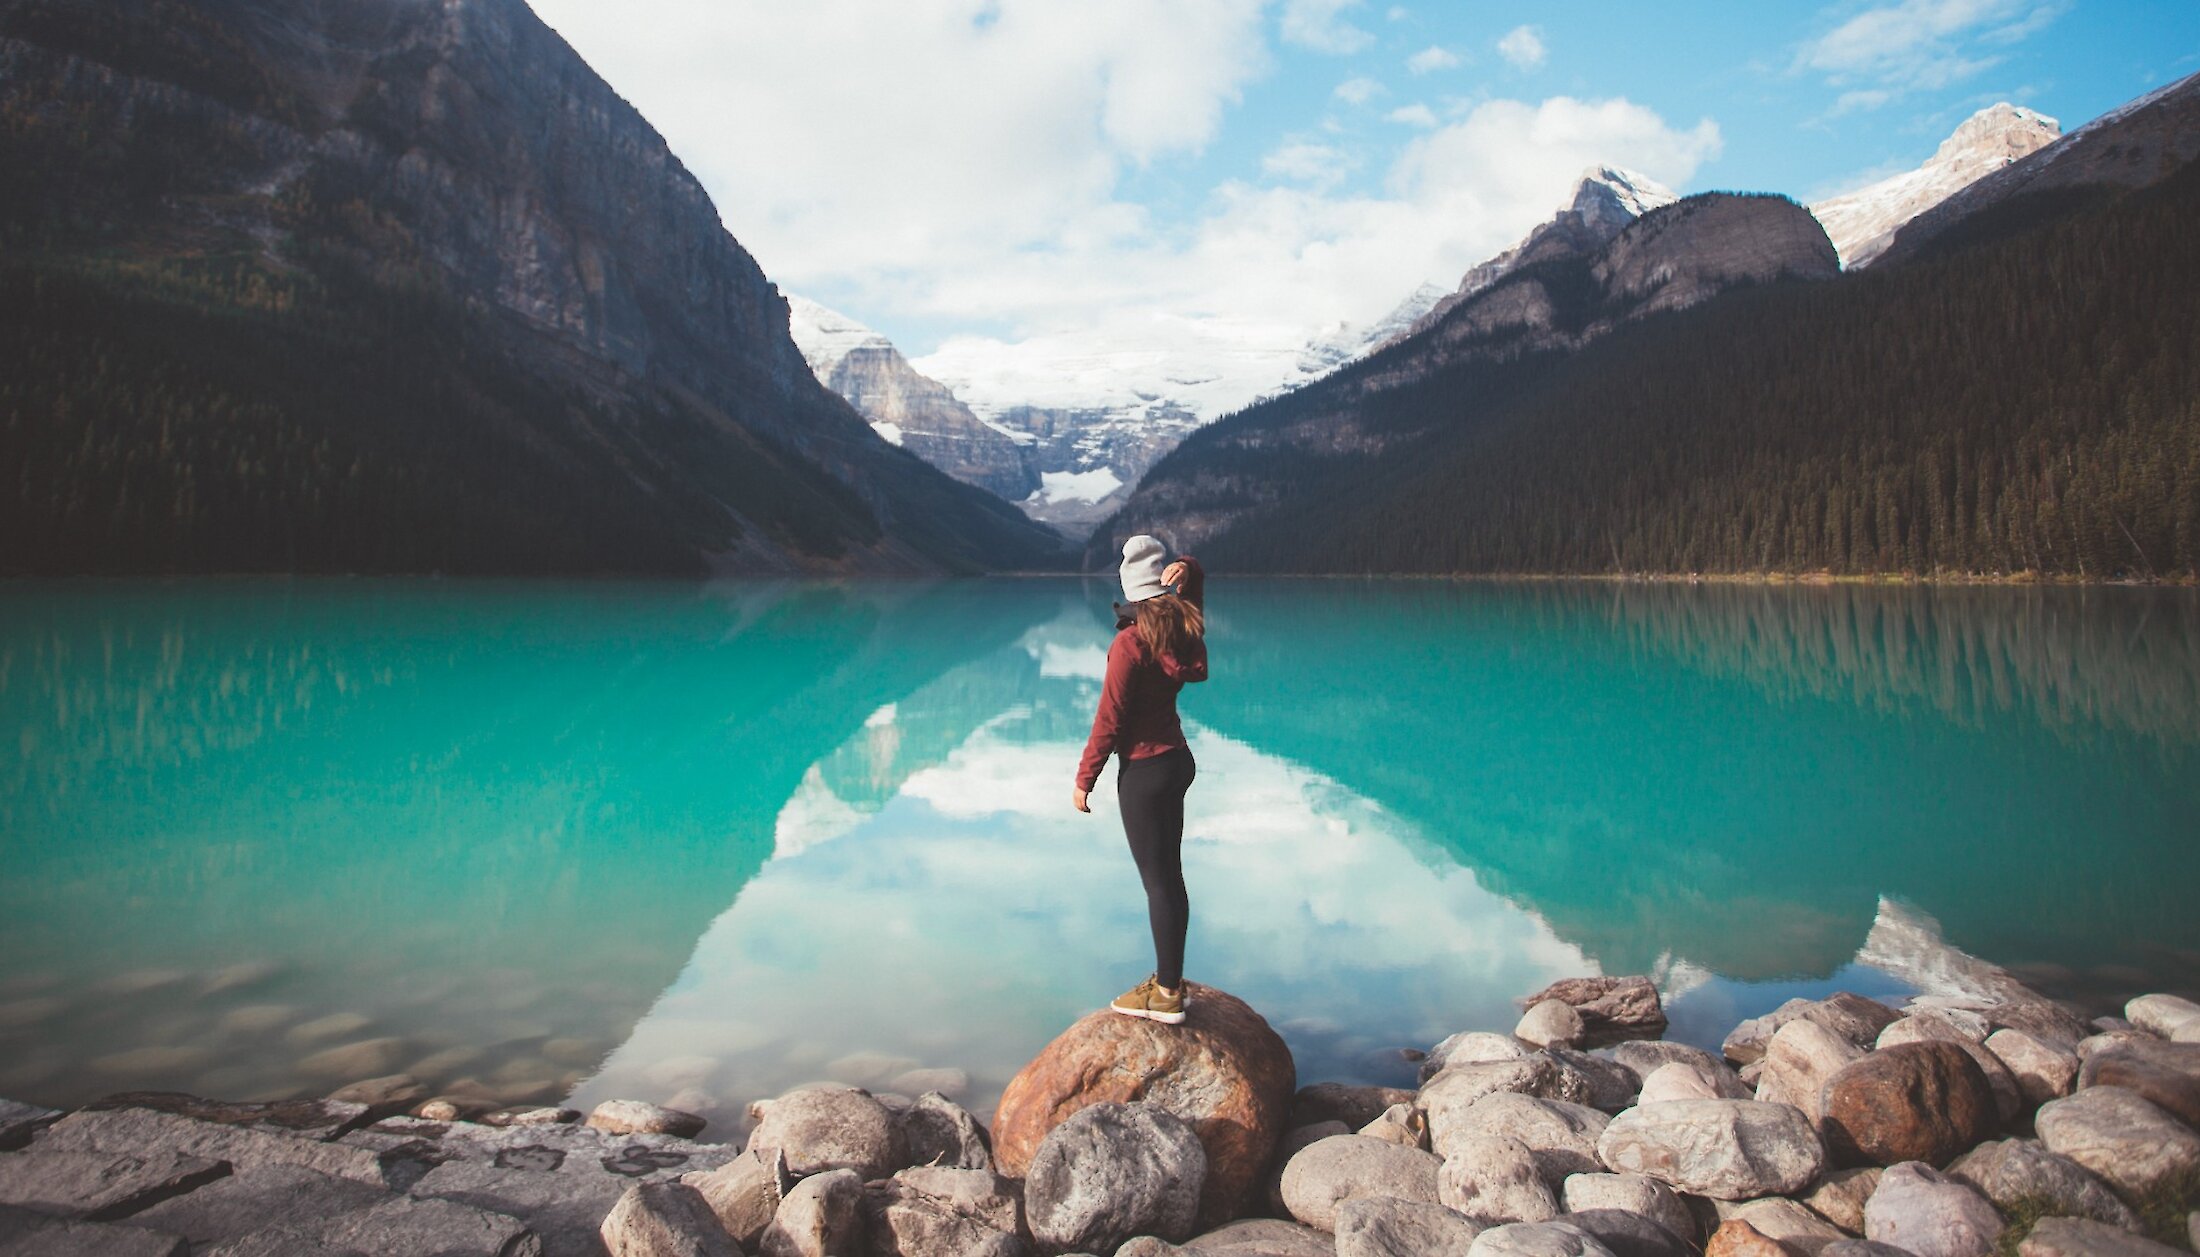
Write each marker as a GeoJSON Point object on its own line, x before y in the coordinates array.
{"type": "Point", "coordinates": [1160, 646]}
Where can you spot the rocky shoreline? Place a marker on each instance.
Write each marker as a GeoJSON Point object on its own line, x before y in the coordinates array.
{"type": "Point", "coordinates": [1841, 1127]}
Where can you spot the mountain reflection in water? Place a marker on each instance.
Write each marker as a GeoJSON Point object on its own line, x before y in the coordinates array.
{"type": "Point", "coordinates": [538, 841]}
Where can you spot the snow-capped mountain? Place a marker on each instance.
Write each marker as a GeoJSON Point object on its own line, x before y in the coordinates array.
{"type": "Point", "coordinates": [1348, 342]}
{"type": "Point", "coordinates": [1864, 222]}
{"type": "Point", "coordinates": [1605, 200]}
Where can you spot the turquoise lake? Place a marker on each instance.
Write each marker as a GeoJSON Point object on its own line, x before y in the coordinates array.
{"type": "Point", "coordinates": [697, 844]}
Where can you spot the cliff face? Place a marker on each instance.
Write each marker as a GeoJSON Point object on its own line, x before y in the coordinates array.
{"type": "Point", "coordinates": [1863, 223]}
{"type": "Point", "coordinates": [463, 154]}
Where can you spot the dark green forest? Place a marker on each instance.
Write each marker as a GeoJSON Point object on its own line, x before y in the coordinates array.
{"type": "Point", "coordinates": [2025, 398]}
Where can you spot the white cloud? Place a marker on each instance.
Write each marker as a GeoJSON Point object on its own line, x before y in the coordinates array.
{"type": "Point", "coordinates": [1358, 91]}
{"type": "Point", "coordinates": [1919, 45]}
{"type": "Point", "coordinates": [1319, 25]}
{"type": "Point", "coordinates": [1523, 46]}
{"type": "Point", "coordinates": [1432, 58]}
{"type": "Point", "coordinates": [1317, 164]}
{"type": "Point", "coordinates": [1413, 115]}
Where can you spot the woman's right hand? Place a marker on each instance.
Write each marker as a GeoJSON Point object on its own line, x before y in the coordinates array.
{"type": "Point", "coordinates": [1078, 798]}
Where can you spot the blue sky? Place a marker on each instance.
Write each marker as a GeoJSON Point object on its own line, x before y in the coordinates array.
{"type": "Point", "coordinates": [1008, 184]}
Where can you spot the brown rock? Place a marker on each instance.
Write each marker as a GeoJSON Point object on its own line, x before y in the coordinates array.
{"type": "Point", "coordinates": [1736, 1238]}
{"type": "Point", "coordinates": [2168, 1074]}
{"type": "Point", "coordinates": [1839, 1197]}
{"type": "Point", "coordinates": [1612, 1009]}
{"type": "Point", "coordinates": [1911, 1102]}
{"type": "Point", "coordinates": [1223, 1070]}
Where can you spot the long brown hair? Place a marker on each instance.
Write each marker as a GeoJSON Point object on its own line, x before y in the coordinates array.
{"type": "Point", "coordinates": [1168, 624]}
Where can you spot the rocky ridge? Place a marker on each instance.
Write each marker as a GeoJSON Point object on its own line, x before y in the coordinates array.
{"type": "Point", "coordinates": [1864, 222]}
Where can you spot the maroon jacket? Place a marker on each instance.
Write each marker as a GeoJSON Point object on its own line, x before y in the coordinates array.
{"type": "Point", "coordinates": [1137, 717]}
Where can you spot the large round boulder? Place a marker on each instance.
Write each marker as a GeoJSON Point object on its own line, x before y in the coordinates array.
{"type": "Point", "coordinates": [1924, 1101]}
{"type": "Point", "coordinates": [1224, 1071]}
{"type": "Point", "coordinates": [1562, 1137]}
{"type": "Point", "coordinates": [1725, 1149]}
{"type": "Point", "coordinates": [1111, 1171]}
{"type": "Point", "coordinates": [2167, 1074]}
{"type": "Point", "coordinates": [1328, 1172]}
{"type": "Point", "coordinates": [1919, 1210]}
{"type": "Point", "coordinates": [2117, 1134]}
{"type": "Point", "coordinates": [829, 1128]}
{"type": "Point", "coordinates": [1493, 1180]}
{"type": "Point", "coordinates": [2019, 1174]}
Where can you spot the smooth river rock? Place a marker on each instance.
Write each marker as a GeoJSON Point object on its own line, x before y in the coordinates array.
{"type": "Point", "coordinates": [633, 1117]}
{"type": "Point", "coordinates": [1330, 1171]}
{"type": "Point", "coordinates": [1384, 1226]}
{"type": "Point", "coordinates": [1611, 1009]}
{"type": "Point", "coordinates": [1561, 1136]}
{"type": "Point", "coordinates": [1552, 1023]}
{"type": "Point", "coordinates": [745, 1193]}
{"type": "Point", "coordinates": [1839, 1196]}
{"type": "Point", "coordinates": [2117, 1134]}
{"type": "Point", "coordinates": [665, 1219]}
{"type": "Point", "coordinates": [1693, 1080]}
{"type": "Point", "coordinates": [1111, 1171]}
{"type": "Point", "coordinates": [2166, 1074]}
{"type": "Point", "coordinates": [830, 1128]}
{"type": "Point", "coordinates": [1797, 1062]}
{"type": "Point", "coordinates": [1726, 1149]}
{"type": "Point", "coordinates": [1736, 1237]}
{"type": "Point", "coordinates": [1401, 1124]}
{"type": "Point", "coordinates": [1538, 1239]}
{"type": "Point", "coordinates": [2044, 1071]}
{"type": "Point", "coordinates": [1922, 1211]}
{"type": "Point", "coordinates": [821, 1217]}
{"type": "Point", "coordinates": [1631, 1193]}
{"type": "Point", "coordinates": [2163, 1015]}
{"type": "Point", "coordinates": [1630, 1234]}
{"type": "Point", "coordinates": [1912, 1102]}
{"type": "Point", "coordinates": [1470, 1047]}
{"type": "Point", "coordinates": [1492, 1180]}
{"type": "Point", "coordinates": [1851, 1016]}
{"type": "Point", "coordinates": [2078, 1237]}
{"type": "Point", "coordinates": [1448, 1096]}
{"type": "Point", "coordinates": [1224, 1071]}
{"type": "Point", "coordinates": [935, 1130]}
{"type": "Point", "coordinates": [1783, 1221]}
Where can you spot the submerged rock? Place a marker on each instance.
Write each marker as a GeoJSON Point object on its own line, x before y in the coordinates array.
{"type": "Point", "coordinates": [1611, 1009]}
{"type": "Point", "coordinates": [1224, 1071]}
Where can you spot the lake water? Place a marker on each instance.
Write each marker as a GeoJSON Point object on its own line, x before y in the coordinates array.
{"type": "Point", "coordinates": [578, 841]}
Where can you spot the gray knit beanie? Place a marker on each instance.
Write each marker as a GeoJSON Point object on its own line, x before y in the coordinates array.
{"type": "Point", "coordinates": [1142, 566]}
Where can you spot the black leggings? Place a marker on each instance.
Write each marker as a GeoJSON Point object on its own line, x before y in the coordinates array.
{"type": "Point", "coordinates": [1151, 792]}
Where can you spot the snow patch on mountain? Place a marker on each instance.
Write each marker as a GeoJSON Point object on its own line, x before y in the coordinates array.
{"type": "Point", "coordinates": [1088, 487]}
{"type": "Point", "coordinates": [1863, 223]}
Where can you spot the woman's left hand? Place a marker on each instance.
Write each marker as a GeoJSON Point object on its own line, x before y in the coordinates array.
{"type": "Point", "coordinates": [1173, 573]}
{"type": "Point", "coordinates": [1078, 797]}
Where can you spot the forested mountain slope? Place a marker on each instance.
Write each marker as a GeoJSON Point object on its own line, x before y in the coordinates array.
{"type": "Point", "coordinates": [2022, 394]}
{"type": "Point", "coordinates": [396, 285]}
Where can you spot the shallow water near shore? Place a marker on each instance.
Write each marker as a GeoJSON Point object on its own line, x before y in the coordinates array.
{"type": "Point", "coordinates": [696, 844]}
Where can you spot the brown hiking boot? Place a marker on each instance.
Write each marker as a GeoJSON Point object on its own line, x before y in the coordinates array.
{"type": "Point", "coordinates": [1147, 1000]}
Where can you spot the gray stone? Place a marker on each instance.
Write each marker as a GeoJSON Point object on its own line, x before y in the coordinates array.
{"type": "Point", "coordinates": [98, 1186]}
{"type": "Point", "coordinates": [952, 1084]}
{"type": "Point", "coordinates": [936, 1211]}
{"type": "Point", "coordinates": [2078, 1237]}
{"type": "Point", "coordinates": [935, 1130]}
{"type": "Point", "coordinates": [1401, 1124]}
{"type": "Point", "coordinates": [1631, 1193]}
{"type": "Point", "coordinates": [399, 1224]}
{"type": "Point", "coordinates": [1447, 1096]}
{"type": "Point", "coordinates": [2087, 1047]}
{"type": "Point", "coordinates": [2020, 1172]}
{"type": "Point", "coordinates": [1630, 1234]}
{"type": "Point", "coordinates": [559, 1180]}
{"type": "Point", "coordinates": [1798, 1060]}
{"type": "Point", "coordinates": [827, 1128]}
{"type": "Point", "coordinates": [1923, 1211]}
{"type": "Point", "coordinates": [665, 1219]}
{"type": "Point", "coordinates": [1552, 1023]}
{"type": "Point", "coordinates": [2162, 1015]}
{"type": "Point", "coordinates": [2166, 1075]}
{"type": "Point", "coordinates": [1861, 1248]}
{"type": "Point", "coordinates": [1840, 1196]}
{"type": "Point", "coordinates": [305, 1119]}
{"type": "Point", "coordinates": [1342, 1102]}
{"type": "Point", "coordinates": [744, 1192]}
{"type": "Point", "coordinates": [1562, 1136]}
{"type": "Point", "coordinates": [534, 1115]}
{"type": "Point", "coordinates": [1610, 1085]}
{"type": "Point", "coordinates": [1286, 1148]}
{"type": "Point", "coordinates": [821, 1217]}
{"type": "Point", "coordinates": [1261, 1237]}
{"type": "Point", "coordinates": [246, 1201]}
{"type": "Point", "coordinates": [1851, 1016]}
{"type": "Point", "coordinates": [1331, 1171]}
{"type": "Point", "coordinates": [2119, 1136]}
{"type": "Point", "coordinates": [1956, 1025]}
{"type": "Point", "coordinates": [1381, 1226]}
{"type": "Point", "coordinates": [1784, 1222]}
{"type": "Point", "coordinates": [18, 1122]}
{"type": "Point", "coordinates": [1611, 1009]}
{"type": "Point", "coordinates": [1111, 1171]}
{"type": "Point", "coordinates": [633, 1117]}
{"type": "Point", "coordinates": [1492, 1180]}
{"type": "Point", "coordinates": [1688, 1080]}
{"type": "Point", "coordinates": [1538, 1239]}
{"type": "Point", "coordinates": [1728, 1149]}
{"type": "Point", "coordinates": [1472, 1047]}
{"type": "Point", "coordinates": [2043, 1071]}
{"type": "Point", "coordinates": [28, 1233]}
{"type": "Point", "coordinates": [1644, 1056]}
{"type": "Point", "coordinates": [142, 1132]}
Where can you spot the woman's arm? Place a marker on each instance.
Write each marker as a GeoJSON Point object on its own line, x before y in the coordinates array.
{"type": "Point", "coordinates": [1190, 580]}
{"type": "Point", "coordinates": [1107, 721]}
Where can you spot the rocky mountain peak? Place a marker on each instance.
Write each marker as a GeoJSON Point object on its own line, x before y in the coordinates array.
{"type": "Point", "coordinates": [2000, 133]}
{"type": "Point", "coordinates": [1863, 223]}
{"type": "Point", "coordinates": [1610, 197]}
{"type": "Point", "coordinates": [826, 336]}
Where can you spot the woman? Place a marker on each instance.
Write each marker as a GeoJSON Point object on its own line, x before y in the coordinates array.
{"type": "Point", "coordinates": [1159, 647]}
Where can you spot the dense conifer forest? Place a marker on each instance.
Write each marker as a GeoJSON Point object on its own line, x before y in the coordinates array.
{"type": "Point", "coordinates": [2025, 398]}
